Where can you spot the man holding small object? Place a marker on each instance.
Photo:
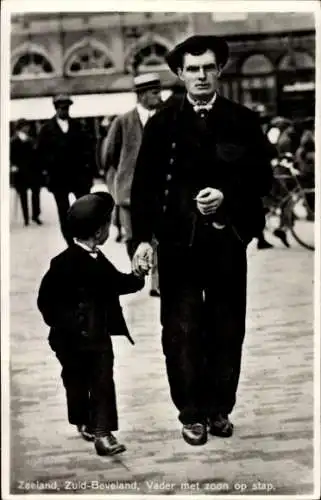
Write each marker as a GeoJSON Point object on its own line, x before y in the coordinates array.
{"type": "Point", "coordinates": [202, 201]}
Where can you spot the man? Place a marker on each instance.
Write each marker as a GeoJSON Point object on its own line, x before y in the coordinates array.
{"type": "Point", "coordinates": [25, 172]}
{"type": "Point", "coordinates": [202, 200]}
{"type": "Point", "coordinates": [64, 153]}
{"type": "Point", "coordinates": [120, 151]}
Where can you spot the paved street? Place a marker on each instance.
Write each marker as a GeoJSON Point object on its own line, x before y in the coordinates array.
{"type": "Point", "coordinates": [271, 450]}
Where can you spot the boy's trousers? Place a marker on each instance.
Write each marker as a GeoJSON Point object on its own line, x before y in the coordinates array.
{"type": "Point", "coordinates": [90, 390]}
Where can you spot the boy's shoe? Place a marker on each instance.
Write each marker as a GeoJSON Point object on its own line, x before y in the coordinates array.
{"type": "Point", "coordinates": [220, 426]}
{"type": "Point", "coordinates": [108, 445]}
{"type": "Point", "coordinates": [85, 433]}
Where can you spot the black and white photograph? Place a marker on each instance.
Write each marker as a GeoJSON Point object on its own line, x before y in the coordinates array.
{"type": "Point", "coordinates": [160, 238]}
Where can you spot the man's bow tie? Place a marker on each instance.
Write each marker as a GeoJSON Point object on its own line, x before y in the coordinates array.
{"type": "Point", "coordinates": [198, 108]}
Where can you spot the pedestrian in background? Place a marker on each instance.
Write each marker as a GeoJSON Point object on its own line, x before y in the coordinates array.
{"type": "Point", "coordinates": [25, 172]}
{"type": "Point", "coordinates": [120, 151]}
{"type": "Point", "coordinates": [203, 166]}
{"type": "Point", "coordinates": [103, 132]}
{"type": "Point", "coordinates": [79, 300]}
{"type": "Point", "coordinates": [305, 158]}
{"type": "Point", "coordinates": [262, 243]}
{"type": "Point", "coordinates": [65, 155]}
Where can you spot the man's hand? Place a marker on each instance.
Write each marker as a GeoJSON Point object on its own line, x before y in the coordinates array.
{"type": "Point", "coordinates": [143, 259]}
{"type": "Point", "coordinates": [208, 200]}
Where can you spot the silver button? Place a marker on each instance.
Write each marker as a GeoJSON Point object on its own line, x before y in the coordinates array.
{"type": "Point", "coordinates": [173, 145]}
{"type": "Point", "coordinates": [168, 177]}
{"type": "Point", "coordinates": [166, 192]}
{"type": "Point", "coordinates": [164, 208]}
{"type": "Point", "coordinates": [171, 161]}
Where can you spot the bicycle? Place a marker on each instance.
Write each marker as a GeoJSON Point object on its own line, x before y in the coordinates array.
{"type": "Point", "coordinates": [290, 204]}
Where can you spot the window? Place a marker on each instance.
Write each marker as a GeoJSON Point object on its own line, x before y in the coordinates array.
{"type": "Point", "coordinates": [89, 57]}
{"type": "Point", "coordinates": [151, 57]}
{"type": "Point", "coordinates": [296, 60]}
{"type": "Point", "coordinates": [257, 64]}
{"type": "Point", "coordinates": [31, 64]}
{"type": "Point", "coordinates": [258, 82]}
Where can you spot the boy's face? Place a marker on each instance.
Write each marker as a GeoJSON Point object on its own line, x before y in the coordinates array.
{"type": "Point", "coordinates": [102, 234]}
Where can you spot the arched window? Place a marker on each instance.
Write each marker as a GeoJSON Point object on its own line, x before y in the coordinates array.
{"type": "Point", "coordinates": [150, 58]}
{"type": "Point", "coordinates": [147, 54]}
{"type": "Point", "coordinates": [257, 64]}
{"type": "Point", "coordinates": [258, 81]}
{"type": "Point", "coordinates": [88, 57]}
{"type": "Point", "coordinates": [296, 60]}
{"type": "Point", "coordinates": [31, 62]}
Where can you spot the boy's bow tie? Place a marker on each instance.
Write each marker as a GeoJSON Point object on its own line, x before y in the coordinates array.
{"type": "Point", "coordinates": [94, 252]}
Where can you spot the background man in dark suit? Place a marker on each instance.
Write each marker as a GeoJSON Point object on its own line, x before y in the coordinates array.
{"type": "Point", "coordinates": [65, 154]}
{"type": "Point", "coordinates": [25, 172]}
{"type": "Point", "coordinates": [202, 199]}
{"type": "Point", "coordinates": [120, 151]}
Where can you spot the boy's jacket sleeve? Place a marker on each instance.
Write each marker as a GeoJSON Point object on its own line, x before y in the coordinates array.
{"type": "Point", "coordinates": [128, 283]}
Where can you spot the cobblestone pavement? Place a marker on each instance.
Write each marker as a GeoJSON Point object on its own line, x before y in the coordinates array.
{"type": "Point", "coordinates": [271, 450]}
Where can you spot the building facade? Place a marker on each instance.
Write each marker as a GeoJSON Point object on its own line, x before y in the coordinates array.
{"type": "Point", "coordinates": [272, 55]}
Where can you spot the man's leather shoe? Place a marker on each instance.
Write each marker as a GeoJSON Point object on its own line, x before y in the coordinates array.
{"type": "Point", "coordinates": [281, 234]}
{"type": "Point", "coordinates": [85, 433]}
{"type": "Point", "coordinates": [37, 221]}
{"type": "Point", "coordinates": [262, 244]}
{"type": "Point", "coordinates": [154, 292]}
{"type": "Point", "coordinates": [221, 426]}
{"type": "Point", "coordinates": [194, 434]}
{"type": "Point", "coordinates": [108, 445]}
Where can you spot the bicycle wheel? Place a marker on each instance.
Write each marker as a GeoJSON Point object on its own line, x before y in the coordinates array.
{"type": "Point", "coordinates": [301, 217]}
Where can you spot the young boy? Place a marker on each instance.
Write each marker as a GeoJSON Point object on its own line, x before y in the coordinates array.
{"type": "Point", "coordinates": [79, 299]}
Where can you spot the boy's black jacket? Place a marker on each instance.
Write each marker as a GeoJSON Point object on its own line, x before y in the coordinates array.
{"type": "Point", "coordinates": [79, 299]}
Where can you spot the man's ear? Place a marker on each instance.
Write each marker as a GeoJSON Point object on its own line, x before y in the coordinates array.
{"type": "Point", "coordinates": [220, 69]}
{"type": "Point", "coordinates": [179, 74]}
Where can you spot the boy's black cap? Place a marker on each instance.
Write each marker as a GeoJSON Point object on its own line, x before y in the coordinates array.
{"type": "Point", "coordinates": [87, 214]}
{"type": "Point", "coordinates": [198, 43]}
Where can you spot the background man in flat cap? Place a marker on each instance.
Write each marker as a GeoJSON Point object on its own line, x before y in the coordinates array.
{"type": "Point", "coordinates": [203, 166]}
{"type": "Point", "coordinates": [120, 151]}
{"type": "Point", "coordinates": [25, 171]}
{"type": "Point", "coordinates": [65, 154]}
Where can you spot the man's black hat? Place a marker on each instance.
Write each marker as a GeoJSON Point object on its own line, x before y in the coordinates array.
{"type": "Point", "coordinates": [87, 214]}
{"type": "Point", "coordinates": [62, 99]}
{"type": "Point", "coordinates": [22, 122]}
{"type": "Point", "coordinates": [198, 44]}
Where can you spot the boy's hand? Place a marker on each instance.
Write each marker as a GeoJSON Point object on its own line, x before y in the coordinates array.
{"type": "Point", "coordinates": [143, 259]}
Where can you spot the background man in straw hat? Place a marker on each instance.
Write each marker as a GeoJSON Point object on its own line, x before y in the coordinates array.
{"type": "Point", "coordinates": [65, 154]}
{"type": "Point", "coordinates": [203, 166]}
{"type": "Point", "coordinates": [120, 150]}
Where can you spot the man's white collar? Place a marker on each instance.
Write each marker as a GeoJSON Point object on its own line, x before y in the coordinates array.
{"type": "Point", "coordinates": [207, 104]}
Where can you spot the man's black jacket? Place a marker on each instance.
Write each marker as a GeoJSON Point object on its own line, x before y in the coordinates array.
{"type": "Point", "coordinates": [176, 160]}
{"type": "Point", "coordinates": [79, 299]}
{"type": "Point", "coordinates": [67, 158]}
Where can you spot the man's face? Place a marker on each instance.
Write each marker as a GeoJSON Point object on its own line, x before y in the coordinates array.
{"type": "Point", "coordinates": [25, 129]}
{"type": "Point", "coordinates": [151, 98]}
{"type": "Point", "coordinates": [200, 75]}
{"type": "Point", "coordinates": [62, 110]}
